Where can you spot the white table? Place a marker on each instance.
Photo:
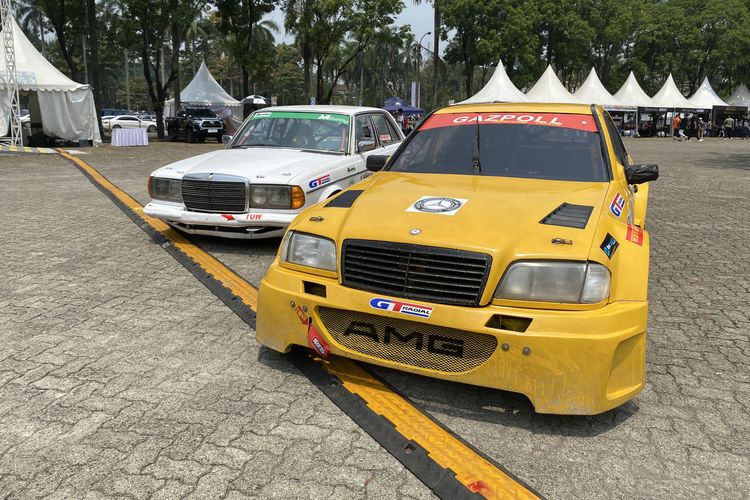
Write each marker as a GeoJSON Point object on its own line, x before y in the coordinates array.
{"type": "Point", "coordinates": [129, 137]}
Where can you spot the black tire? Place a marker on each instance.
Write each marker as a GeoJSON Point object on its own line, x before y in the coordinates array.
{"type": "Point", "coordinates": [218, 138]}
{"type": "Point", "coordinates": [151, 129]}
{"type": "Point", "coordinates": [201, 139]}
{"type": "Point", "coordinates": [172, 137]}
{"type": "Point", "coordinates": [190, 136]}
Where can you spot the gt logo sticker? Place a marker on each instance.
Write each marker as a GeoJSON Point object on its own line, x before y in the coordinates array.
{"type": "Point", "coordinates": [618, 203]}
{"type": "Point", "coordinates": [325, 179]}
{"type": "Point", "coordinates": [437, 205]}
{"type": "Point", "coordinates": [609, 245]}
{"type": "Point", "coordinates": [401, 307]}
{"type": "Point", "coordinates": [635, 235]}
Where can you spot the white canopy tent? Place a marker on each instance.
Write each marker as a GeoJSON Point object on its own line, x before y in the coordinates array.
{"type": "Point", "coordinates": [740, 96]}
{"type": "Point", "coordinates": [204, 90]}
{"type": "Point", "coordinates": [498, 89]}
{"type": "Point", "coordinates": [669, 96]}
{"type": "Point", "coordinates": [549, 89]}
{"type": "Point", "coordinates": [65, 108]}
{"type": "Point", "coordinates": [705, 97]}
{"type": "Point", "coordinates": [592, 91]}
{"type": "Point", "coordinates": [632, 95]}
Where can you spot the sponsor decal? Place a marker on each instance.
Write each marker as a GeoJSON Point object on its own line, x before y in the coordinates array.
{"type": "Point", "coordinates": [253, 216]}
{"type": "Point", "coordinates": [320, 181]}
{"type": "Point", "coordinates": [401, 307]}
{"type": "Point", "coordinates": [559, 120]}
{"type": "Point", "coordinates": [609, 245]}
{"type": "Point", "coordinates": [317, 219]}
{"type": "Point", "coordinates": [635, 235]}
{"type": "Point", "coordinates": [316, 341]}
{"type": "Point", "coordinates": [435, 344]}
{"type": "Point", "coordinates": [302, 115]}
{"type": "Point", "coordinates": [618, 203]}
{"type": "Point", "coordinates": [228, 216]}
{"type": "Point", "coordinates": [437, 205]}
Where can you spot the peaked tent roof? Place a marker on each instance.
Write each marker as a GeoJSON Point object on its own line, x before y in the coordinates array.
{"type": "Point", "coordinates": [204, 89]}
{"type": "Point", "coordinates": [631, 94]}
{"type": "Point", "coordinates": [705, 97]}
{"type": "Point", "coordinates": [669, 96]}
{"type": "Point", "coordinates": [549, 89]}
{"type": "Point", "coordinates": [33, 71]}
{"type": "Point", "coordinates": [740, 96]}
{"type": "Point", "coordinates": [592, 91]}
{"type": "Point", "coordinates": [499, 88]}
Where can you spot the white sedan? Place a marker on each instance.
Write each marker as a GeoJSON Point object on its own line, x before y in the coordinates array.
{"type": "Point", "coordinates": [281, 160]}
{"type": "Point", "coordinates": [128, 121]}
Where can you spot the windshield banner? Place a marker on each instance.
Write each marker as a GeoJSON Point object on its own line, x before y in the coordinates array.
{"type": "Point", "coordinates": [329, 117]}
{"type": "Point", "coordinates": [578, 122]}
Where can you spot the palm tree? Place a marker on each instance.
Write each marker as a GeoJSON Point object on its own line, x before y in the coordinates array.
{"type": "Point", "coordinates": [31, 15]}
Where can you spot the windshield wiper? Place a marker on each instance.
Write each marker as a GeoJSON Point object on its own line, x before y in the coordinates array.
{"type": "Point", "coordinates": [324, 151]}
{"type": "Point", "coordinates": [260, 144]}
{"type": "Point", "coordinates": [475, 163]}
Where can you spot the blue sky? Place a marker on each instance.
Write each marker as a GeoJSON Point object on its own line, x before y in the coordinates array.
{"type": "Point", "coordinates": [419, 16]}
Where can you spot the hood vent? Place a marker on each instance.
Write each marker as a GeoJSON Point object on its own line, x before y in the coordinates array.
{"type": "Point", "coordinates": [568, 215]}
{"type": "Point", "coordinates": [345, 199]}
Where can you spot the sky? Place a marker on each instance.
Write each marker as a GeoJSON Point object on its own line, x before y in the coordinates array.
{"type": "Point", "coordinates": [419, 16]}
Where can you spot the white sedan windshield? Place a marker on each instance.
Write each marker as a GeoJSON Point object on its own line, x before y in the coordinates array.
{"type": "Point", "coordinates": [326, 132]}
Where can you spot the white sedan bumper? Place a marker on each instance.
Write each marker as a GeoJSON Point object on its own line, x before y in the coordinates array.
{"type": "Point", "coordinates": [250, 225]}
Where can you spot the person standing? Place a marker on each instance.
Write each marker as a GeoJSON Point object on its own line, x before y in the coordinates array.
{"type": "Point", "coordinates": [728, 127]}
{"type": "Point", "coordinates": [400, 118]}
{"type": "Point", "coordinates": [701, 128]}
{"type": "Point", "coordinates": [676, 127]}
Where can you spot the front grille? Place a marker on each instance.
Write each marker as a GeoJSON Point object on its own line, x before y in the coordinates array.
{"type": "Point", "coordinates": [407, 342]}
{"type": "Point", "coordinates": [204, 195]}
{"type": "Point", "coordinates": [439, 275]}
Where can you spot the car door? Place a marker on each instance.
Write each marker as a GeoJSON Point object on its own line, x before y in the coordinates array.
{"type": "Point", "coordinates": [129, 122]}
{"type": "Point", "coordinates": [386, 132]}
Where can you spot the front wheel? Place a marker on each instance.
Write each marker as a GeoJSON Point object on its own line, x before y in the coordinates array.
{"type": "Point", "coordinates": [151, 129]}
{"type": "Point", "coordinates": [218, 139]}
{"type": "Point", "coordinates": [201, 139]}
{"type": "Point", "coordinates": [190, 136]}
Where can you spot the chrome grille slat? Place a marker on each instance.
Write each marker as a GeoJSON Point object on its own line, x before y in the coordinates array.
{"type": "Point", "coordinates": [439, 275]}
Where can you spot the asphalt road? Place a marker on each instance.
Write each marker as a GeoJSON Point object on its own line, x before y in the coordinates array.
{"type": "Point", "coordinates": [120, 374]}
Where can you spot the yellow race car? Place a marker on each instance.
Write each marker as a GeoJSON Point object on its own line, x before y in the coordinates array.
{"type": "Point", "coordinates": [501, 245]}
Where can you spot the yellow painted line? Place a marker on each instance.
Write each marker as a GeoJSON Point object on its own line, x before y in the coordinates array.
{"type": "Point", "coordinates": [25, 149]}
{"type": "Point", "coordinates": [237, 285]}
{"type": "Point", "coordinates": [472, 470]}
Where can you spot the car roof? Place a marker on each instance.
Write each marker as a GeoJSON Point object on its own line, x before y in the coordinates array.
{"type": "Point", "coordinates": [527, 107]}
{"type": "Point", "coordinates": [323, 108]}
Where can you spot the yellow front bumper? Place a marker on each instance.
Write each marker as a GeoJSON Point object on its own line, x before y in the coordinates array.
{"type": "Point", "coordinates": [566, 362]}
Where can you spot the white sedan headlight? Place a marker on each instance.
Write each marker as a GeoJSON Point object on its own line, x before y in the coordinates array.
{"type": "Point", "coordinates": [309, 250]}
{"type": "Point", "coordinates": [163, 189]}
{"type": "Point", "coordinates": [551, 281]}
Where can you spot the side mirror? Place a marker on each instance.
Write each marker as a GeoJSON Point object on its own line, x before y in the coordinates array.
{"type": "Point", "coordinates": [638, 174]}
{"type": "Point", "coordinates": [226, 138]}
{"type": "Point", "coordinates": [375, 163]}
{"type": "Point", "coordinates": [365, 145]}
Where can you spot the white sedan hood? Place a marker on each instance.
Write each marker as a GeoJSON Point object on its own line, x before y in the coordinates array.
{"type": "Point", "coordinates": [272, 165]}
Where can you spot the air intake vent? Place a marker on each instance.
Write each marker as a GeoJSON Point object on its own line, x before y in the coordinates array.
{"type": "Point", "coordinates": [345, 199]}
{"type": "Point", "coordinates": [568, 215]}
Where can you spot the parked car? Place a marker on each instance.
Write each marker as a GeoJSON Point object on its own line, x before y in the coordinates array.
{"type": "Point", "coordinates": [502, 245]}
{"type": "Point", "coordinates": [281, 160]}
{"type": "Point", "coordinates": [128, 121]}
{"type": "Point", "coordinates": [195, 124]}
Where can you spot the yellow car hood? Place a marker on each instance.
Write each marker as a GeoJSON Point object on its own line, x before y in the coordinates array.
{"type": "Point", "coordinates": [501, 215]}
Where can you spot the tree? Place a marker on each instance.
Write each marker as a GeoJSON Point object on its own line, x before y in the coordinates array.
{"type": "Point", "coordinates": [237, 21]}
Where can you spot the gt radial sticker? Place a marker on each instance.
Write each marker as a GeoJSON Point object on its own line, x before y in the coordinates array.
{"type": "Point", "coordinates": [437, 205]}
{"type": "Point", "coordinates": [618, 203]}
{"type": "Point", "coordinates": [323, 179]}
{"type": "Point", "coordinates": [635, 235]}
{"type": "Point", "coordinates": [401, 307]}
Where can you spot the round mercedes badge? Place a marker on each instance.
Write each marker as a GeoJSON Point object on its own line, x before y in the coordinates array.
{"type": "Point", "coordinates": [415, 231]}
{"type": "Point", "coordinates": [437, 205]}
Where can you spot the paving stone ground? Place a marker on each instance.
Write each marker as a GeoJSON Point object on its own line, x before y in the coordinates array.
{"type": "Point", "coordinates": [121, 374]}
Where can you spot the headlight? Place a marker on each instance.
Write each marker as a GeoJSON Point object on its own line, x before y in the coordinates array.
{"type": "Point", "coordinates": [308, 250]}
{"type": "Point", "coordinates": [284, 197]}
{"type": "Point", "coordinates": [165, 189]}
{"type": "Point", "coordinates": [549, 281]}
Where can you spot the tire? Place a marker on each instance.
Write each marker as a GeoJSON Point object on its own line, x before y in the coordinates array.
{"type": "Point", "coordinates": [201, 139]}
{"type": "Point", "coordinates": [190, 136]}
{"type": "Point", "coordinates": [218, 138]}
{"type": "Point", "coordinates": [151, 129]}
